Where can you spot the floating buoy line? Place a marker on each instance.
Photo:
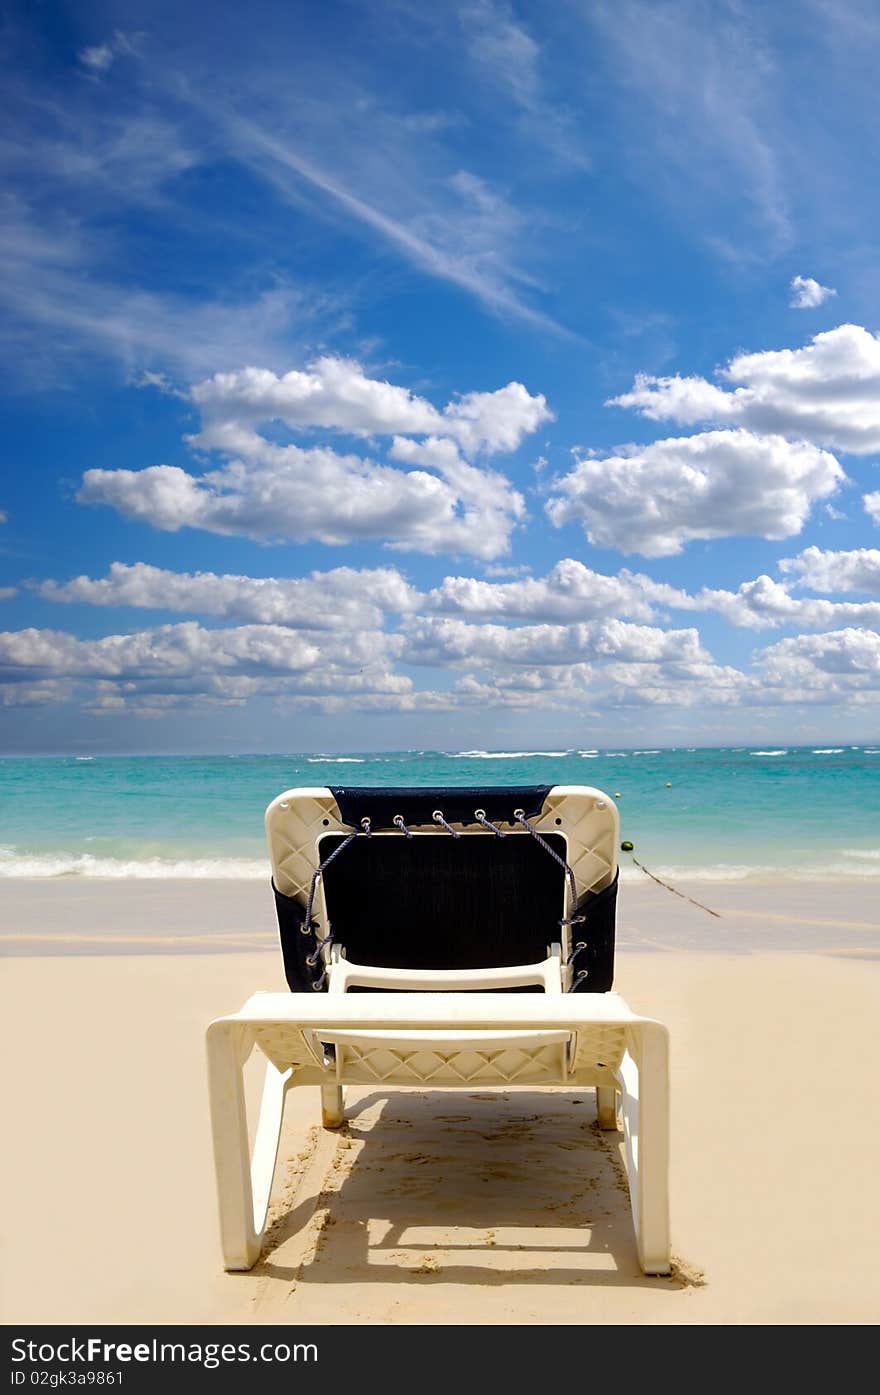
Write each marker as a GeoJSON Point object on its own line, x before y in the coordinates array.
{"type": "Point", "coordinates": [628, 847]}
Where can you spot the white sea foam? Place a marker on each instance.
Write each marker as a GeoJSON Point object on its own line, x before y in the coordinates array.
{"type": "Point", "coordinates": [679, 876]}
{"type": "Point", "coordinates": [768, 753]}
{"type": "Point", "coordinates": [871, 751]}
{"type": "Point", "coordinates": [505, 755]}
{"type": "Point", "coordinates": [647, 753]}
{"type": "Point", "coordinates": [335, 760]}
{"type": "Point", "coordinates": [588, 755]}
{"type": "Point", "coordinates": [828, 751]}
{"type": "Point", "coordinates": [854, 864]}
{"type": "Point", "coordinates": [84, 757]}
{"type": "Point", "coordinates": [62, 864]}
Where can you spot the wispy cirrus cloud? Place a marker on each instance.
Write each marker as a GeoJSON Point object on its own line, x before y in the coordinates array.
{"type": "Point", "coordinates": [64, 295]}
{"type": "Point", "coordinates": [707, 88]}
{"type": "Point", "coordinates": [455, 241]}
{"type": "Point", "coordinates": [98, 58]}
{"type": "Point", "coordinates": [509, 61]}
{"type": "Point", "coordinates": [86, 159]}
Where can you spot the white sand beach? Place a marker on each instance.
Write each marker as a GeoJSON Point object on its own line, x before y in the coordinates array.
{"type": "Point", "coordinates": [441, 1207]}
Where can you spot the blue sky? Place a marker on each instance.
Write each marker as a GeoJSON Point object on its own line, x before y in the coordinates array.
{"type": "Point", "coordinates": [478, 375]}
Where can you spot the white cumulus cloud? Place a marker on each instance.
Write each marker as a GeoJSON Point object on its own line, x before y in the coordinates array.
{"type": "Point", "coordinates": [186, 664]}
{"type": "Point", "coordinates": [343, 598]}
{"type": "Point", "coordinates": [827, 392]}
{"type": "Point", "coordinates": [570, 591]}
{"type": "Point", "coordinates": [825, 570]}
{"type": "Point", "coordinates": [806, 293]}
{"type": "Point", "coordinates": [712, 485]}
{"type": "Point", "coordinates": [272, 492]}
{"type": "Point", "coordinates": [336, 394]}
{"type": "Point", "coordinates": [435, 640]}
{"type": "Point", "coordinates": [824, 668]}
{"type": "Point", "coordinates": [767, 604]}
{"type": "Point", "coordinates": [276, 493]}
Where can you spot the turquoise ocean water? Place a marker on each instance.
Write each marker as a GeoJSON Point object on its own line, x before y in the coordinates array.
{"type": "Point", "coordinates": [801, 812]}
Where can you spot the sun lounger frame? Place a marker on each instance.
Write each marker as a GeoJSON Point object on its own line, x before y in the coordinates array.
{"type": "Point", "coordinates": [464, 1035]}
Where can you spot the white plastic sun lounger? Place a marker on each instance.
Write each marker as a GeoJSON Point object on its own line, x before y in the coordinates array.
{"type": "Point", "coordinates": [455, 896]}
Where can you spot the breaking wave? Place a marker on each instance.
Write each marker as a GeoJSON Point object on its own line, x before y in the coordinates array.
{"type": "Point", "coordinates": [62, 864]}
{"type": "Point", "coordinates": [506, 755]}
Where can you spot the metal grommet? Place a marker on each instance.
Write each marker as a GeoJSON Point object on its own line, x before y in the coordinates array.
{"type": "Point", "coordinates": [480, 816]}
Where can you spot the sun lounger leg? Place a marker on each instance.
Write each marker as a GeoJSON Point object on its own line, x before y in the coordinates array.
{"type": "Point", "coordinates": [644, 1077]}
{"type": "Point", "coordinates": [268, 1136]}
{"type": "Point", "coordinates": [242, 1187]}
{"type": "Point", "coordinates": [332, 1106]}
{"type": "Point", "coordinates": [606, 1107]}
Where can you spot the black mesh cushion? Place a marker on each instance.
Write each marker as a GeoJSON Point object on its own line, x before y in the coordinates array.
{"type": "Point", "coordinates": [457, 804]}
{"type": "Point", "coordinates": [295, 946]}
{"type": "Point", "coordinates": [599, 910]}
{"type": "Point", "coordinates": [442, 902]}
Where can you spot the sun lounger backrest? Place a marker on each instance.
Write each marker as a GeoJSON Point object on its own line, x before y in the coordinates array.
{"type": "Point", "coordinates": [432, 901]}
{"type": "Point", "coordinates": [441, 903]}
